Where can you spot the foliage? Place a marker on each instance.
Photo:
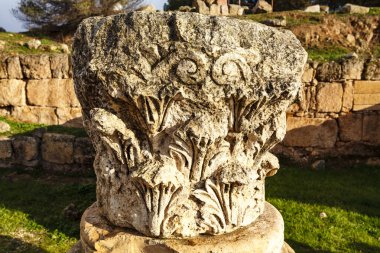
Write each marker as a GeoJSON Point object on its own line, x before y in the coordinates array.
{"type": "Point", "coordinates": [56, 16]}
{"type": "Point", "coordinates": [21, 128]}
{"type": "Point", "coordinates": [173, 5]}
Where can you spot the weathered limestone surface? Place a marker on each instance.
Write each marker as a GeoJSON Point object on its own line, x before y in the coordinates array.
{"type": "Point", "coordinates": [52, 92]}
{"type": "Point", "coordinates": [45, 115]}
{"type": "Point", "coordinates": [266, 235]}
{"type": "Point", "coordinates": [12, 92]}
{"type": "Point", "coordinates": [366, 95]}
{"type": "Point", "coordinates": [310, 132]}
{"type": "Point", "coordinates": [35, 66]}
{"type": "Point", "coordinates": [182, 125]}
{"type": "Point", "coordinates": [58, 148]}
{"type": "Point", "coordinates": [329, 97]}
{"type": "Point", "coordinates": [182, 118]}
{"type": "Point", "coordinates": [5, 148]}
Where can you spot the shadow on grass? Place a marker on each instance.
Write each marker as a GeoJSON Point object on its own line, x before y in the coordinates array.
{"type": "Point", "coordinates": [365, 248]}
{"type": "Point", "coordinates": [300, 247]}
{"type": "Point", "coordinates": [9, 245]}
{"type": "Point", "coordinates": [45, 198]}
{"type": "Point", "coordinates": [354, 189]}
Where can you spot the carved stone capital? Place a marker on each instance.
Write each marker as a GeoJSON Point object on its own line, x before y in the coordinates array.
{"type": "Point", "coordinates": [182, 110]}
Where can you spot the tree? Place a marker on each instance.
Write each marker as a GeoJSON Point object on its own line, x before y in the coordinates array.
{"type": "Point", "coordinates": [63, 16]}
{"type": "Point", "coordinates": [175, 4]}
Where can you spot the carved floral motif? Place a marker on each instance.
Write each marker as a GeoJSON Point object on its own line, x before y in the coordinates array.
{"type": "Point", "coordinates": [182, 117]}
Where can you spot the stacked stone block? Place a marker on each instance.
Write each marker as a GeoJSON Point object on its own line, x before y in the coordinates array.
{"type": "Point", "coordinates": [50, 151]}
{"type": "Point", "coordinates": [337, 114]}
{"type": "Point", "coordinates": [38, 89]}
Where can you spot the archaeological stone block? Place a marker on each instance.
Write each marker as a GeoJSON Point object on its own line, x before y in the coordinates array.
{"type": "Point", "coordinates": [5, 148]}
{"type": "Point", "coordinates": [329, 71]}
{"type": "Point", "coordinates": [3, 68]}
{"type": "Point", "coordinates": [372, 70]}
{"type": "Point", "coordinates": [52, 92]}
{"type": "Point", "coordinates": [354, 9]}
{"type": "Point", "coordinates": [201, 7]}
{"type": "Point", "coordinates": [215, 10]}
{"type": "Point", "coordinates": [182, 119]}
{"type": "Point", "coordinates": [233, 9]}
{"type": "Point", "coordinates": [329, 97]}
{"type": "Point", "coordinates": [59, 64]}
{"type": "Point", "coordinates": [350, 127]}
{"type": "Point", "coordinates": [26, 148]}
{"type": "Point", "coordinates": [12, 92]}
{"type": "Point", "coordinates": [14, 67]}
{"type": "Point", "coordinates": [35, 66]}
{"type": "Point", "coordinates": [224, 10]}
{"type": "Point", "coordinates": [221, 2]}
{"type": "Point", "coordinates": [71, 117]}
{"type": "Point", "coordinates": [58, 148]}
{"type": "Point", "coordinates": [310, 132]}
{"type": "Point", "coordinates": [348, 96]}
{"type": "Point", "coordinates": [371, 128]}
{"type": "Point", "coordinates": [366, 95]}
{"type": "Point", "coordinates": [84, 152]}
{"type": "Point", "coordinates": [35, 114]}
{"type": "Point", "coordinates": [265, 236]}
{"type": "Point", "coordinates": [366, 87]}
{"type": "Point", "coordinates": [352, 69]}
{"type": "Point", "coordinates": [308, 74]}
{"type": "Point", "coordinates": [262, 7]}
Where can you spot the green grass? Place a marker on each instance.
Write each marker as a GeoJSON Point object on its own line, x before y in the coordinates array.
{"type": "Point", "coordinates": [15, 41]}
{"type": "Point", "coordinates": [20, 128]}
{"type": "Point", "coordinates": [32, 220]}
{"type": "Point", "coordinates": [327, 54]}
{"type": "Point", "coordinates": [293, 18]}
{"type": "Point", "coordinates": [349, 197]}
{"type": "Point", "coordinates": [31, 211]}
{"type": "Point", "coordinates": [374, 11]}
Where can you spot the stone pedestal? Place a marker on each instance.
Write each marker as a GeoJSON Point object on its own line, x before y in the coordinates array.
{"type": "Point", "coordinates": [265, 235]}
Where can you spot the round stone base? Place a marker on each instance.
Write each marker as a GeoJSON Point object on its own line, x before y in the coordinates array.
{"type": "Point", "coordinates": [265, 235]}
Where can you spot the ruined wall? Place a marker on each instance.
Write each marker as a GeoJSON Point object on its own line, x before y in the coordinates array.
{"type": "Point", "coordinates": [50, 151]}
{"type": "Point", "coordinates": [38, 89]}
{"type": "Point", "coordinates": [337, 114]}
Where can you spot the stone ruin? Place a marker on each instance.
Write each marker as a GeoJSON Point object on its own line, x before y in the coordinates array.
{"type": "Point", "coordinates": [224, 8]}
{"type": "Point", "coordinates": [182, 109]}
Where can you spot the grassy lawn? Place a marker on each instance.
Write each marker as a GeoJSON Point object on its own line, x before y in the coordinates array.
{"type": "Point", "coordinates": [20, 128]}
{"type": "Point", "coordinates": [31, 211]}
{"type": "Point", "coordinates": [350, 198]}
{"type": "Point", "coordinates": [15, 44]}
{"type": "Point", "coordinates": [32, 219]}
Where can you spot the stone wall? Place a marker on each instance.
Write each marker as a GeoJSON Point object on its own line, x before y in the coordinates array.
{"type": "Point", "coordinates": [38, 89]}
{"type": "Point", "coordinates": [337, 115]}
{"type": "Point", "coordinates": [50, 151]}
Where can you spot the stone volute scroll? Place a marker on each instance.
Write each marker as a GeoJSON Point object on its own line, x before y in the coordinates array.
{"type": "Point", "coordinates": [182, 110]}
